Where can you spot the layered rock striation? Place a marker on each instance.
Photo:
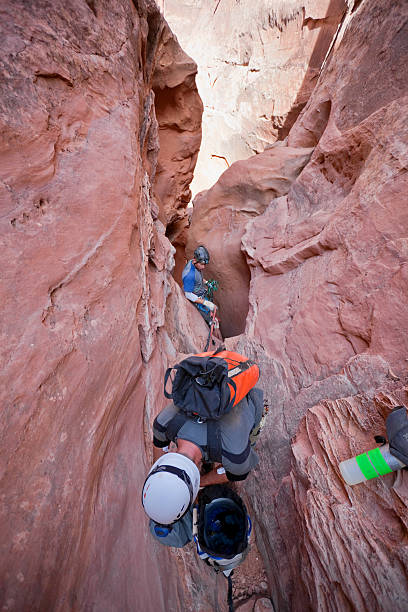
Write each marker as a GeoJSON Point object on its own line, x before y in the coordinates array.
{"type": "Point", "coordinates": [327, 319]}
{"type": "Point", "coordinates": [85, 285]}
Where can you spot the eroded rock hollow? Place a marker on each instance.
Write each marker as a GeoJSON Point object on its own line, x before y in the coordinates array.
{"type": "Point", "coordinates": [100, 128]}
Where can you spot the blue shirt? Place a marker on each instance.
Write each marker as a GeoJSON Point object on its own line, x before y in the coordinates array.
{"type": "Point", "coordinates": [180, 534]}
{"type": "Point", "coordinates": [193, 283]}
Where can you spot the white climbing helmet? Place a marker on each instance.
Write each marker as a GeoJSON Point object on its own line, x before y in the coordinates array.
{"type": "Point", "coordinates": [170, 488]}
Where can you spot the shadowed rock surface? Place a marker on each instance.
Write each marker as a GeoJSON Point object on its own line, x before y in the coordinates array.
{"type": "Point", "coordinates": [220, 215]}
{"type": "Point", "coordinates": [178, 111]}
{"type": "Point", "coordinates": [85, 281]}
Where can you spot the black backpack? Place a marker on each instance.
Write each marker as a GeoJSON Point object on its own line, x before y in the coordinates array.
{"type": "Point", "coordinates": [206, 387]}
{"type": "Point", "coordinates": [200, 387]}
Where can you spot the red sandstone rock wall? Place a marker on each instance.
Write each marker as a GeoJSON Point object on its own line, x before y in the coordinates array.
{"type": "Point", "coordinates": [91, 316]}
{"type": "Point", "coordinates": [327, 321]}
{"type": "Point", "coordinates": [84, 285]}
{"type": "Point", "coordinates": [258, 62]}
{"type": "Point", "coordinates": [178, 111]}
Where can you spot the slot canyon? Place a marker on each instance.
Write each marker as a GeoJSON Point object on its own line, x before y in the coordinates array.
{"type": "Point", "coordinates": [275, 133]}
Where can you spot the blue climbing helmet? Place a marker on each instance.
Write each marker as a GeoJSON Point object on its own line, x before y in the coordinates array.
{"type": "Point", "coordinates": [202, 255]}
{"type": "Point", "coordinates": [223, 526]}
{"type": "Point", "coordinates": [221, 531]}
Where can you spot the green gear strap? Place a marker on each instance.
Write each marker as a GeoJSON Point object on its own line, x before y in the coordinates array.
{"type": "Point", "coordinates": [373, 464]}
{"type": "Point", "coordinates": [379, 462]}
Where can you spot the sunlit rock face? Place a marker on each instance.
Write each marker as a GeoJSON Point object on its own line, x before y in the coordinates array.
{"type": "Point", "coordinates": [258, 62]}
{"type": "Point", "coordinates": [327, 321]}
{"type": "Point", "coordinates": [85, 293]}
{"type": "Point", "coordinates": [178, 109]}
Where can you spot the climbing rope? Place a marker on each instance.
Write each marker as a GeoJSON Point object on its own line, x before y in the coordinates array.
{"type": "Point", "coordinates": [230, 601]}
{"type": "Point", "coordinates": [210, 333]}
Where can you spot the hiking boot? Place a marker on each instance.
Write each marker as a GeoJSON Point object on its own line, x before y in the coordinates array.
{"type": "Point", "coordinates": [253, 436]}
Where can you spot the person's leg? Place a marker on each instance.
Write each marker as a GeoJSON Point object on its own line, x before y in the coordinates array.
{"type": "Point", "coordinates": [204, 312]}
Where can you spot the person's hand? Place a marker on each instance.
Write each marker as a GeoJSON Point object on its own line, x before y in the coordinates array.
{"type": "Point", "coordinates": [209, 305]}
{"type": "Point", "coordinates": [216, 476]}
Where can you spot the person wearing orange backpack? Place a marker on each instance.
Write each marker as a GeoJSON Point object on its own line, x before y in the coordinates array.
{"type": "Point", "coordinates": [216, 408]}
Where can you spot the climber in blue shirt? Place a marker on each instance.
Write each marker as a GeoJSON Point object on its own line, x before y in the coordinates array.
{"type": "Point", "coordinates": [194, 285]}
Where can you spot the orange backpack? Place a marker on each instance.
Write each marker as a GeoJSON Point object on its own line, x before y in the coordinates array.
{"type": "Point", "coordinates": [242, 371]}
{"type": "Point", "coordinates": [206, 387]}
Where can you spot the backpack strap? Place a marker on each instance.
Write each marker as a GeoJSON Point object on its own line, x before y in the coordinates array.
{"type": "Point", "coordinates": [214, 447]}
{"type": "Point", "coordinates": [231, 382]}
{"type": "Point", "coordinates": [175, 424]}
{"type": "Point", "coordinates": [166, 378]}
